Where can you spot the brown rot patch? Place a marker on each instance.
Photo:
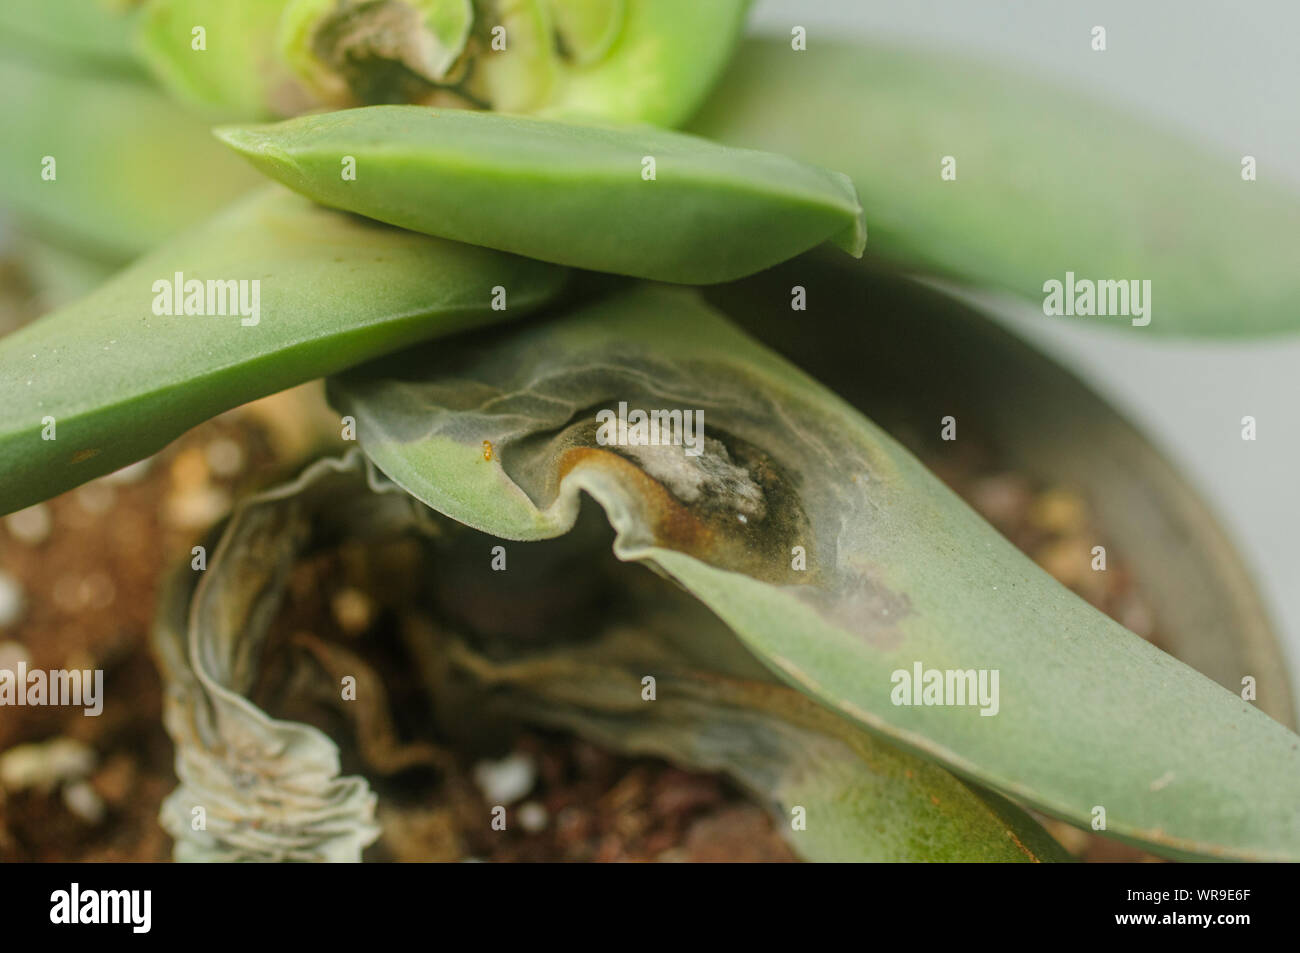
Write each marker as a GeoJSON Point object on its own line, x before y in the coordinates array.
{"type": "Point", "coordinates": [81, 456]}
{"type": "Point", "coordinates": [731, 506]}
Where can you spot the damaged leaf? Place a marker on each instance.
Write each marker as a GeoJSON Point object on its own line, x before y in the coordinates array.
{"type": "Point", "coordinates": [286, 292]}
{"type": "Point", "coordinates": [837, 559]}
{"type": "Point", "coordinates": [270, 788]}
{"type": "Point", "coordinates": [629, 200]}
{"type": "Point", "coordinates": [360, 51]}
{"type": "Point", "coordinates": [621, 60]}
{"type": "Point", "coordinates": [266, 789]}
{"type": "Point", "coordinates": [835, 792]}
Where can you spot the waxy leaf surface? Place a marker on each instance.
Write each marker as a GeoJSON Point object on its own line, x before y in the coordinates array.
{"type": "Point", "coordinates": [82, 35]}
{"type": "Point", "coordinates": [1048, 181]}
{"type": "Point", "coordinates": [562, 192]}
{"type": "Point", "coordinates": [120, 381]}
{"type": "Point", "coordinates": [130, 168]}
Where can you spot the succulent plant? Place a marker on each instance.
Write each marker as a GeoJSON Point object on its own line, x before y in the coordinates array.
{"type": "Point", "coordinates": [488, 229]}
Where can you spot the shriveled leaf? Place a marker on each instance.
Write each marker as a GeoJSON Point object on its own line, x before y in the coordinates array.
{"type": "Point", "coordinates": [117, 375]}
{"type": "Point", "coordinates": [1048, 181]}
{"type": "Point", "coordinates": [130, 168]}
{"type": "Point", "coordinates": [270, 788]}
{"type": "Point", "coordinates": [560, 192]}
{"type": "Point", "coordinates": [835, 792]}
{"type": "Point", "coordinates": [899, 573]}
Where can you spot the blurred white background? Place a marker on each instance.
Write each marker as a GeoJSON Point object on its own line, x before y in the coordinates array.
{"type": "Point", "coordinates": [1227, 73]}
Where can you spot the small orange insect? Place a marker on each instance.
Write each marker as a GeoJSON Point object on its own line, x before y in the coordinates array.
{"type": "Point", "coordinates": [487, 449]}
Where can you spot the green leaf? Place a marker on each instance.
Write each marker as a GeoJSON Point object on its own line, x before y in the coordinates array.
{"type": "Point", "coordinates": [565, 193]}
{"type": "Point", "coordinates": [666, 58]}
{"type": "Point", "coordinates": [1048, 181]}
{"type": "Point", "coordinates": [82, 35]}
{"type": "Point", "coordinates": [587, 29]}
{"type": "Point", "coordinates": [221, 57]}
{"type": "Point", "coordinates": [619, 60]}
{"type": "Point", "coordinates": [922, 355]}
{"type": "Point", "coordinates": [899, 572]}
{"type": "Point", "coordinates": [130, 168]}
{"type": "Point", "coordinates": [120, 380]}
{"type": "Point", "coordinates": [521, 77]}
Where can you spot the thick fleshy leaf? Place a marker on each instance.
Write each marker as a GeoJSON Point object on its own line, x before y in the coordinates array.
{"type": "Point", "coordinates": [898, 573]}
{"type": "Point", "coordinates": [666, 58]}
{"type": "Point", "coordinates": [922, 355]}
{"type": "Point", "coordinates": [107, 165]}
{"type": "Point", "coordinates": [1048, 182]}
{"type": "Point", "coordinates": [222, 57]}
{"type": "Point", "coordinates": [118, 374]}
{"type": "Point", "coordinates": [572, 194]}
{"type": "Point", "coordinates": [83, 35]}
{"type": "Point", "coordinates": [271, 787]}
{"type": "Point", "coordinates": [586, 29]}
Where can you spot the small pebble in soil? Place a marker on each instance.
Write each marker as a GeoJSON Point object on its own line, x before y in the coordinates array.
{"type": "Point", "coordinates": [353, 610]}
{"type": "Point", "coordinates": [11, 653]}
{"type": "Point", "coordinates": [507, 780]}
{"type": "Point", "coordinates": [225, 457]}
{"type": "Point", "coordinates": [96, 497]}
{"type": "Point", "coordinates": [73, 593]}
{"type": "Point", "coordinates": [44, 765]}
{"type": "Point", "coordinates": [533, 817]}
{"type": "Point", "coordinates": [1058, 511]}
{"type": "Point", "coordinates": [197, 508]}
{"type": "Point", "coordinates": [11, 600]}
{"type": "Point", "coordinates": [31, 526]}
{"type": "Point", "coordinates": [80, 798]}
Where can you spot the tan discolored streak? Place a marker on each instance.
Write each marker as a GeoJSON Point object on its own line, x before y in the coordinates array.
{"type": "Point", "coordinates": [706, 529]}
